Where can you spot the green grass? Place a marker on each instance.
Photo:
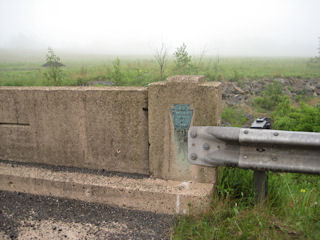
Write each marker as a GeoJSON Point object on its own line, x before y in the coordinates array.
{"type": "Point", "coordinates": [234, 115]}
{"type": "Point", "coordinates": [24, 69]}
{"type": "Point", "coordinates": [269, 98]}
{"type": "Point", "coordinates": [291, 211]}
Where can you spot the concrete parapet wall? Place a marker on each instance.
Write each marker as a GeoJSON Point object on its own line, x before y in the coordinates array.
{"type": "Point", "coordinates": [85, 127]}
{"type": "Point", "coordinates": [121, 129]}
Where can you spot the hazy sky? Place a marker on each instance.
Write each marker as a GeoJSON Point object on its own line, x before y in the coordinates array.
{"type": "Point", "coordinates": [227, 27]}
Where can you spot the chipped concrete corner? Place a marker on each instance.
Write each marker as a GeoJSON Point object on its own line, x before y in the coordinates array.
{"type": "Point", "coordinates": [109, 129]}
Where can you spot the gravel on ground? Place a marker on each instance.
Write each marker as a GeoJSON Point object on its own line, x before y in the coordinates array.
{"type": "Point", "coordinates": [26, 216]}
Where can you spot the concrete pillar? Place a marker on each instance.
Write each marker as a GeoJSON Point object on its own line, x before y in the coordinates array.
{"type": "Point", "coordinates": [175, 105]}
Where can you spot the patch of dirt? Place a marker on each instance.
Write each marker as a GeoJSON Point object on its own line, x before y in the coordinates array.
{"type": "Point", "coordinates": [314, 101]}
{"type": "Point", "coordinates": [234, 94]}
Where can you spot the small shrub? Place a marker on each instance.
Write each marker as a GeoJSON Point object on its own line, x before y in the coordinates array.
{"type": "Point", "coordinates": [302, 118]}
{"type": "Point", "coordinates": [116, 74]}
{"type": "Point", "coordinates": [211, 76]}
{"type": "Point", "coordinates": [83, 72]}
{"type": "Point", "coordinates": [233, 115]}
{"type": "Point", "coordinates": [220, 78]}
{"type": "Point", "coordinates": [182, 60]}
{"type": "Point", "coordinates": [81, 81]}
{"type": "Point", "coordinates": [237, 77]}
{"type": "Point", "coordinates": [270, 97]}
{"type": "Point", "coordinates": [54, 75]}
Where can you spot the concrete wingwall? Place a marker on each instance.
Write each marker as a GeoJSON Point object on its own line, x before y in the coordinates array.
{"type": "Point", "coordinates": [139, 130]}
{"type": "Point", "coordinates": [84, 127]}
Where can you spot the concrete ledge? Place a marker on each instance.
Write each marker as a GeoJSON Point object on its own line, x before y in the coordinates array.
{"type": "Point", "coordinates": [156, 195]}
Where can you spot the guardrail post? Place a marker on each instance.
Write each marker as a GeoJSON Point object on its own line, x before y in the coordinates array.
{"type": "Point", "coordinates": [260, 180]}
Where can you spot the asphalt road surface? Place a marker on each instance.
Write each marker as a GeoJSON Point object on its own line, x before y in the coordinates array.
{"type": "Point", "coordinates": [26, 216]}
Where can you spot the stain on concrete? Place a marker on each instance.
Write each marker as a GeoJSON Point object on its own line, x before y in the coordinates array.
{"type": "Point", "coordinates": [168, 147]}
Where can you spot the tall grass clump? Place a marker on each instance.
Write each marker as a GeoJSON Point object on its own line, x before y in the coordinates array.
{"type": "Point", "coordinates": [303, 118]}
{"type": "Point", "coordinates": [234, 116]}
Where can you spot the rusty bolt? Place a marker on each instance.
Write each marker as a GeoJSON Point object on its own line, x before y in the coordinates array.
{"type": "Point", "coordinates": [193, 156]}
{"type": "Point", "coordinates": [193, 133]}
{"type": "Point", "coordinates": [206, 146]}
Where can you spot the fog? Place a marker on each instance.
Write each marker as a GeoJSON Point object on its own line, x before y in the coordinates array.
{"type": "Point", "coordinates": [124, 27]}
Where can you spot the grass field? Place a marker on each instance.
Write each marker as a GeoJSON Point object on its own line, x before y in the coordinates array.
{"type": "Point", "coordinates": [292, 210]}
{"type": "Point", "coordinates": [26, 70]}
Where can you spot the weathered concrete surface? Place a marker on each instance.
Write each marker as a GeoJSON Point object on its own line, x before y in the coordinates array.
{"type": "Point", "coordinates": [167, 152]}
{"type": "Point", "coordinates": [90, 127]}
{"type": "Point", "coordinates": [155, 195]}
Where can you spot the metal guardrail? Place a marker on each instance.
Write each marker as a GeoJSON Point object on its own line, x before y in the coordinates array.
{"type": "Point", "coordinates": [257, 149]}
